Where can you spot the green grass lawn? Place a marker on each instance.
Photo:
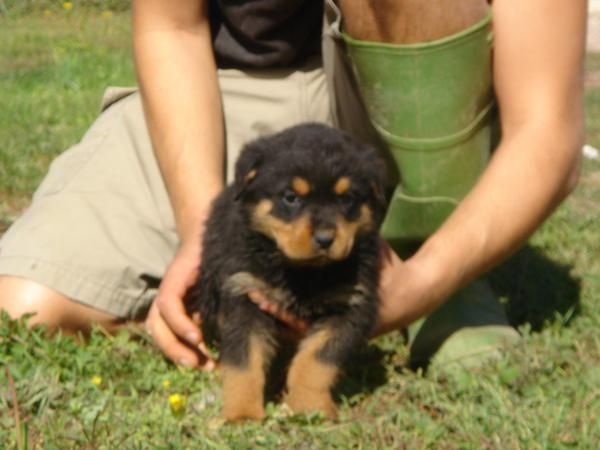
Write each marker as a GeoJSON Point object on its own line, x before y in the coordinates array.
{"type": "Point", "coordinates": [113, 392]}
{"type": "Point", "coordinates": [53, 70]}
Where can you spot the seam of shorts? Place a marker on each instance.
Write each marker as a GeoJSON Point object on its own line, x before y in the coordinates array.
{"type": "Point", "coordinates": [72, 284]}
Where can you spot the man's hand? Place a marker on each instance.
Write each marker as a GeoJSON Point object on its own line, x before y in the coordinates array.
{"type": "Point", "coordinates": [406, 292]}
{"type": "Point", "coordinates": [296, 328]}
{"type": "Point", "coordinates": [174, 332]}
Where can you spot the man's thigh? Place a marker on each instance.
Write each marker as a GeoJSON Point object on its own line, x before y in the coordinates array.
{"type": "Point", "coordinates": [99, 229]}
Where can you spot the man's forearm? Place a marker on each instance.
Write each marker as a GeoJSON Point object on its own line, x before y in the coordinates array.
{"type": "Point", "coordinates": [177, 76]}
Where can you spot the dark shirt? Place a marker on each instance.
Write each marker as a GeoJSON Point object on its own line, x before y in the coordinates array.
{"type": "Point", "coordinates": [265, 33]}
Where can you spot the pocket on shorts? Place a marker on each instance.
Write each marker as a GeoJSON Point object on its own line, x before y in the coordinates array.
{"type": "Point", "coordinates": [69, 164]}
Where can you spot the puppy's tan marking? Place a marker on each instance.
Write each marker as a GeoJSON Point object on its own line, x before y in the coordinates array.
{"type": "Point", "coordinates": [346, 232]}
{"type": "Point", "coordinates": [263, 208]}
{"type": "Point", "coordinates": [241, 283]}
{"type": "Point", "coordinates": [294, 239]}
{"type": "Point", "coordinates": [243, 388]}
{"type": "Point", "coordinates": [250, 176]}
{"type": "Point", "coordinates": [300, 186]}
{"type": "Point", "coordinates": [310, 380]}
{"type": "Point", "coordinates": [342, 185]}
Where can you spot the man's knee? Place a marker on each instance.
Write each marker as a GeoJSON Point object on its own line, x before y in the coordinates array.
{"type": "Point", "coordinates": [409, 21]}
{"type": "Point", "coordinates": [19, 296]}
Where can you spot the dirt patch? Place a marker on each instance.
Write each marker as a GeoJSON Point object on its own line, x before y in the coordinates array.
{"type": "Point", "coordinates": [586, 198]}
{"type": "Point", "coordinates": [11, 207]}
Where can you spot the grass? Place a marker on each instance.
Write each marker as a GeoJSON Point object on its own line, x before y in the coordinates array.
{"type": "Point", "coordinates": [52, 75]}
{"type": "Point", "coordinates": [542, 394]}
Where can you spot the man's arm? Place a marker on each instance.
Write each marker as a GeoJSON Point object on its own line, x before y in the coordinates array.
{"type": "Point", "coordinates": [538, 76]}
{"type": "Point", "coordinates": [177, 76]}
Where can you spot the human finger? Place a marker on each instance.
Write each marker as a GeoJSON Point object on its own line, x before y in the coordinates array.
{"type": "Point", "coordinates": [276, 311]}
{"type": "Point", "coordinates": [176, 350]}
{"type": "Point", "coordinates": [172, 311]}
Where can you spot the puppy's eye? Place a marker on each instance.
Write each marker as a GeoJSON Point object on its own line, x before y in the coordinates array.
{"type": "Point", "coordinates": [346, 200]}
{"type": "Point", "coordinates": [291, 199]}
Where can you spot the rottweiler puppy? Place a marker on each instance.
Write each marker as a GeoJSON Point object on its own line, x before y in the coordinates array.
{"type": "Point", "coordinates": [299, 223]}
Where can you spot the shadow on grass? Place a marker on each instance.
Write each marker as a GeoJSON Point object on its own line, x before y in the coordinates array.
{"type": "Point", "coordinates": [364, 375]}
{"type": "Point", "coordinates": [536, 289]}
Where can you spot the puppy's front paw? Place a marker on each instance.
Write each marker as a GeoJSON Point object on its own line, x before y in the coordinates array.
{"type": "Point", "coordinates": [236, 410]}
{"type": "Point", "coordinates": [242, 394]}
{"type": "Point", "coordinates": [304, 400]}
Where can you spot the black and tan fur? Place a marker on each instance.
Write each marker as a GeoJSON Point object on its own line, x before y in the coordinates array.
{"type": "Point", "coordinates": [300, 223]}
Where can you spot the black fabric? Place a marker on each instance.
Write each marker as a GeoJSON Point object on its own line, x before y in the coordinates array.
{"type": "Point", "coordinates": [265, 33]}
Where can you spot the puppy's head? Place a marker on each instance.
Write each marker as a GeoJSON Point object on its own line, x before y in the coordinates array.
{"type": "Point", "coordinates": [312, 190]}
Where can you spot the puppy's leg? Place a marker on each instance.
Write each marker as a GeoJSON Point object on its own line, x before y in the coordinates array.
{"type": "Point", "coordinates": [247, 350]}
{"type": "Point", "coordinates": [315, 367]}
{"type": "Point", "coordinates": [310, 378]}
{"type": "Point", "coordinates": [243, 386]}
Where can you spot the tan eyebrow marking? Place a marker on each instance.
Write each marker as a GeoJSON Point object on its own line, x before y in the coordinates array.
{"type": "Point", "coordinates": [250, 176]}
{"type": "Point", "coordinates": [300, 186]}
{"type": "Point", "coordinates": [342, 185]}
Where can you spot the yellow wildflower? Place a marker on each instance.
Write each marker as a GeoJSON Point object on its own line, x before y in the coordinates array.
{"type": "Point", "coordinates": [107, 14]}
{"type": "Point", "coordinates": [177, 403]}
{"type": "Point", "coordinates": [47, 13]}
{"type": "Point", "coordinates": [96, 380]}
{"type": "Point", "coordinates": [68, 6]}
{"type": "Point", "coordinates": [166, 384]}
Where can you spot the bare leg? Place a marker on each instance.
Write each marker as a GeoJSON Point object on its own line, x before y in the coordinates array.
{"type": "Point", "coordinates": [409, 21]}
{"type": "Point", "coordinates": [19, 296]}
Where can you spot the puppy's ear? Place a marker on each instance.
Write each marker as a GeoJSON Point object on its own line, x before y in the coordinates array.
{"type": "Point", "coordinates": [378, 193]}
{"type": "Point", "coordinates": [377, 174]}
{"type": "Point", "coordinates": [247, 167]}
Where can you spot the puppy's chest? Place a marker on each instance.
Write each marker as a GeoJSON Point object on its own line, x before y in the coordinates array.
{"type": "Point", "coordinates": [317, 295]}
{"type": "Point", "coordinates": [308, 293]}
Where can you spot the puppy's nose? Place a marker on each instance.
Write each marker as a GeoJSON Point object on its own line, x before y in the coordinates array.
{"type": "Point", "coordinates": [324, 238]}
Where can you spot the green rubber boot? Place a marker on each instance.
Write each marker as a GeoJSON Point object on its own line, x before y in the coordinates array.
{"type": "Point", "coordinates": [433, 105]}
{"type": "Point", "coordinates": [466, 331]}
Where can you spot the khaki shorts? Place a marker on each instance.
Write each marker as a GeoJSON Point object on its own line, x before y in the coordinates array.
{"type": "Point", "coordinates": [100, 229]}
